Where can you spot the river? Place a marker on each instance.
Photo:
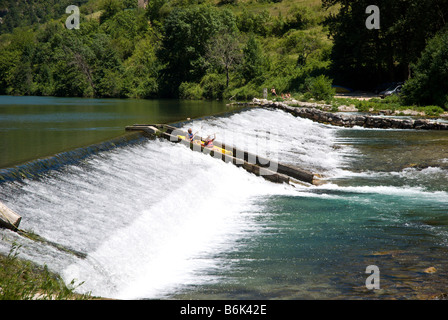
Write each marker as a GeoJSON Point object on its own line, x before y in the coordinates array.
{"type": "Point", "coordinates": [157, 221]}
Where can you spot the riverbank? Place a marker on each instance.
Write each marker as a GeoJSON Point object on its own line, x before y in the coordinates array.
{"type": "Point", "coordinates": [348, 116]}
{"type": "Point", "coordinates": [23, 280]}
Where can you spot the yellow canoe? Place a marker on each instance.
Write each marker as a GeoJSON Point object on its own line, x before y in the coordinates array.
{"type": "Point", "coordinates": [215, 148]}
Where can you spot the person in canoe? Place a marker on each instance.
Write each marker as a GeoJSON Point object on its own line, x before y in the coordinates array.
{"type": "Point", "coordinates": [190, 135]}
{"type": "Point", "coordinates": [208, 142]}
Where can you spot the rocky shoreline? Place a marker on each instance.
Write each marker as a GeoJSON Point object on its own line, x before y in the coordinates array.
{"type": "Point", "coordinates": [314, 112]}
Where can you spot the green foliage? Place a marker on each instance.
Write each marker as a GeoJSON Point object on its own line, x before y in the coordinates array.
{"type": "Point", "coordinates": [141, 71]}
{"type": "Point", "coordinates": [24, 13]}
{"type": "Point", "coordinates": [257, 23]}
{"type": "Point", "coordinates": [430, 75]}
{"type": "Point", "coordinates": [392, 103]}
{"type": "Point", "coordinates": [223, 53]}
{"type": "Point", "coordinates": [364, 58]}
{"type": "Point", "coordinates": [125, 28]}
{"type": "Point", "coordinates": [193, 49]}
{"type": "Point", "coordinates": [186, 34]}
{"type": "Point", "coordinates": [320, 88]}
{"type": "Point", "coordinates": [245, 93]}
{"type": "Point", "coordinates": [153, 11]}
{"type": "Point", "coordinates": [110, 8]}
{"type": "Point", "coordinates": [213, 86]}
{"type": "Point", "coordinates": [130, 4]}
{"type": "Point", "coordinates": [221, 2]}
{"type": "Point", "coordinates": [113, 59]}
{"type": "Point", "coordinates": [190, 91]}
{"type": "Point", "coordinates": [20, 280]}
{"type": "Point", "coordinates": [254, 60]}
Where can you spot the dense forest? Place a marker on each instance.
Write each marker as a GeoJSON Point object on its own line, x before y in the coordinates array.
{"type": "Point", "coordinates": [222, 49]}
{"type": "Point", "coordinates": [395, 52]}
{"type": "Point", "coordinates": [173, 48]}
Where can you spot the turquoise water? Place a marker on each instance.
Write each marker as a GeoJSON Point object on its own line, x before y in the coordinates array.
{"type": "Point", "coordinates": [385, 203]}
{"type": "Point", "coordinates": [156, 220]}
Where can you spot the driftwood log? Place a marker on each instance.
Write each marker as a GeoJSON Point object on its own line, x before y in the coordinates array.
{"type": "Point", "coordinates": [8, 218]}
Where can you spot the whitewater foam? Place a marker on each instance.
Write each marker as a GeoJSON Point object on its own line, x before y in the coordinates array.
{"type": "Point", "coordinates": [194, 213]}
{"type": "Point", "coordinates": [151, 217]}
{"type": "Point", "coordinates": [279, 136]}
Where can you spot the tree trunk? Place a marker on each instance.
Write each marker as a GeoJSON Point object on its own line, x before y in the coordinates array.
{"type": "Point", "coordinates": [8, 218]}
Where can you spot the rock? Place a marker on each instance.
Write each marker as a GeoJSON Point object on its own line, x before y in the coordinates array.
{"type": "Point", "coordinates": [430, 270]}
{"type": "Point", "coordinates": [420, 124]}
{"type": "Point", "coordinates": [385, 112]}
{"type": "Point", "coordinates": [345, 108]}
{"type": "Point", "coordinates": [408, 124]}
{"type": "Point", "coordinates": [313, 111]}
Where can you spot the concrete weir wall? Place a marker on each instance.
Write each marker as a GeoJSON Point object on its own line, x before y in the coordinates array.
{"type": "Point", "coordinates": [270, 170]}
{"type": "Point", "coordinates": [351, 120]}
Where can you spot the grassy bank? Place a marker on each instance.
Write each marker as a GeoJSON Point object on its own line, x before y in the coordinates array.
{"type": "Point", "coordinates": [389, 106]}
{"type": "Point", "coordinates": [24, 280]}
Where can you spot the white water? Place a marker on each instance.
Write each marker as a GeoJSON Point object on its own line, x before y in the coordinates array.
{"type": "Point", "coordinates": [153, 218]}
{"type": "Point", "coordinates": [278, 136]}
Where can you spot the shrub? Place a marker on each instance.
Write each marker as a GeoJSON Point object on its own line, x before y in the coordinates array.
{"type": "Point", "coordinates": [190, 90]}
{"type": "Point", "coordinates": [320, 88]}
{"type": "Point", "coordinates": [430, 75]}
{"type": "Point", "coordinates": [213, 86]}
{"type": "Point", "coordinates": [433, 110]}
{"type": "Point", "coordinates": [244, 93]}
{"type": "Point", "coordinates": [222, 2]}
{"type": "Point", "coordinates": [281, 84]}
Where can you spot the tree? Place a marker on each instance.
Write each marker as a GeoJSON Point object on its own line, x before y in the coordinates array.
{"type": "Point", "coordinates": [253, 59]}
{"type": "Point", "coordinates": [8, 60]}
{"type": "Point", "coordinates": [224, 52]}
{"type": "Point", "coordinates": [110, 8]}
{"type": "Point", "coordinates": [73, 73]}
{"type": "Point", "coordinates": [153, 10]}
{"type": "Point", "coordinates": [24, 13]}
{"type": "Point", "coordinates": [186, 34]}
{"type": "Point", "coordinates": [429, 84]}
{"type": "Point", "coordinates": [320, 88]}
{"type": "Point", "coordinates": [125, 28]}
{"type": "Point", "coordinates": [363, 57]}
{"type": "Point", "coordinates": [105, 67]}
{"type": "Point", "coordinates": [142, 70]}
{"type": "Point", "coordinates": [303, 43]}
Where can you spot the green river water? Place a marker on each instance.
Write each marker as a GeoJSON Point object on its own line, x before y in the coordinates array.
{"type": "Point", "coordinates": [157, 221]}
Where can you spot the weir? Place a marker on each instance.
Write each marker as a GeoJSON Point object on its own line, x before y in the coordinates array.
{"type": "Point", "coordinates": [9, 219]}
{"type": "Point", "coordinates": [268, 169]}
{"type": "Point", "coordinates": [33, 169]}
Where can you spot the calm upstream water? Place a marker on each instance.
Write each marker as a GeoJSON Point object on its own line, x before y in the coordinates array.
{"type": "Point", "coordinates": [157, 221]}
{"type": "Point", "coordinates": [35, 127]}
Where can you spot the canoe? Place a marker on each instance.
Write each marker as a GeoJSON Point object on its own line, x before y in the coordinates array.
{"type": "Point", "coordinates": [214, 148]}
{"type": "Point", "coordinates": [253, 163]}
